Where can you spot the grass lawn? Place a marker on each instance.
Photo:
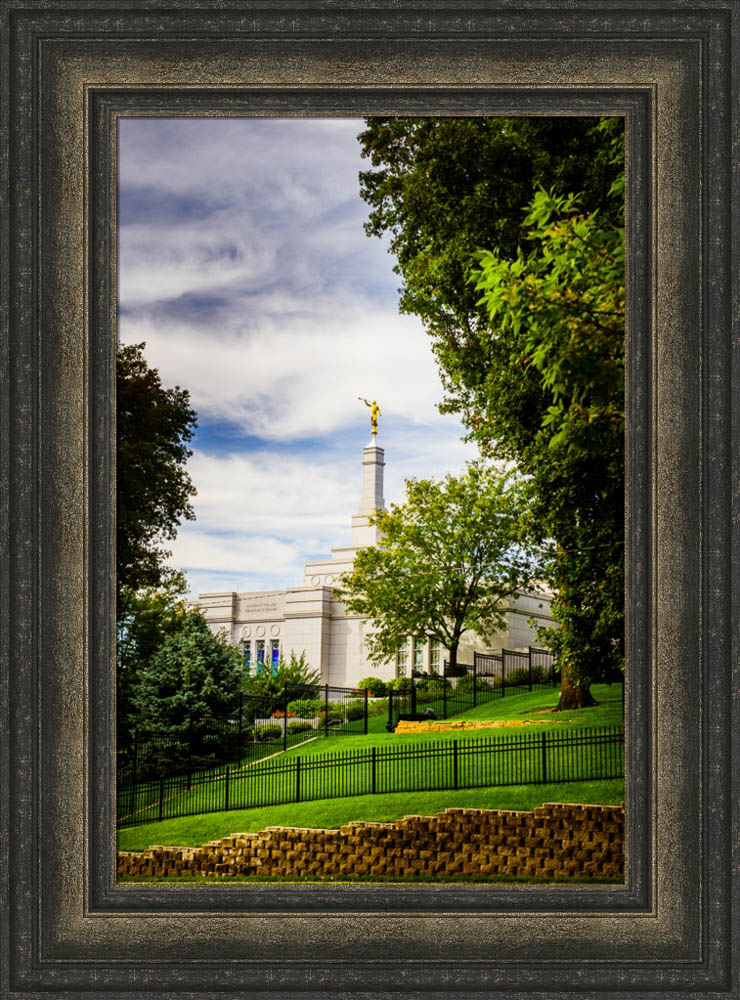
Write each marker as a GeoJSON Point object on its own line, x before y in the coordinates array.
{"type": "Point", "coordinates": [195, 831]}
{"type": "Point", "coordinates": [325, 769]}
{"type": "Point", "coordinates": [524, 707]}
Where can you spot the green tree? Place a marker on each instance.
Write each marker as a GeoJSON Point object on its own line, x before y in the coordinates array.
{"type": "Point", "coordinates": [146, 618]}
{"type": "Point", "coordinates": [193, 676]}
{"type": "Point", "coordinates": [559, 308]}
{"type": "Point", "coordinates": [449, 561]}
{"type": "Point", "coordinates": [153, 489]}
{"type": "Point", "coordinates": [443, 188]}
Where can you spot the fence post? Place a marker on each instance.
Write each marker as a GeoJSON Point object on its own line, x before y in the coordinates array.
{"type": "Point", "coordinates": [285, 720]}
{"type": "Point", "coordinates": [475, 681]}
{"type": "Point", "coordinates": [503, 673]}
{"type": "Point", "coordinates": [390, 710]}
{"type": "Point", "coordinates": [374, 764]}
{"type": "Point", "coordinates": [241, 716]}
{"type": "Point", "coordinates": [226, 790]}
{"type": "Point", "coordinates": [530, 667]}
{"type": "Point", "coordinates": [444, 690]}
{"type": "Point", "coordinates": [544, 758]}
{"type": "Point", "coordinates": [298, 779]}
{"type": "Point", "coordinates": [413, 696]}
{"type": "Point", "coordinates": [161, 795]}
{"type": "Point", "coordinates": [454, 763]}
{"type": "Point", "coordinates": [366, 704]}
{"type": "Point", "coordinates": [190, 748]}
{"type": "Point", "coordinates": [326, 710]}
{"type": "Point", "coordinates": [133, 776]}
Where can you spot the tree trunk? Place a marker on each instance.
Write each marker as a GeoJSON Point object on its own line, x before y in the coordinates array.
{"type": "Point", "coordinates": [453, 658]}
{"type": "Point", "coordinates": [573, 695]}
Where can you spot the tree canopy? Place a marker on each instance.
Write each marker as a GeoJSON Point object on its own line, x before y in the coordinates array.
{"type": "Point", "coordinates": [560, 308]}
{"type": "Point", "coordinates": [449, 561]}
{"type": "Point", "coordinates": [153, 489]}
{"type": "Point", "coordinates": [443, 188]}
{"type": "Point", "coordinates": [533, 370]}
{"type": "Point", "coordinates": [193, 675]}
{"type": "Point", "coordinates": [146, 617]}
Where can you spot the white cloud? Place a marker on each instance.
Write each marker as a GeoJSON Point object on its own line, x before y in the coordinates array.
{"type": "Point", "coordinates": [300, 376]}
{"type": "Point", "coordinates": [244, 267]}
{"type": "Point", "coordinates": [264, 493]}
{"type": "Point", "coordinates": [169, 260]}
{"type": "Point", "coordinates": [261, 515]}
{"type": "Point", "coordinates": [290, 158]}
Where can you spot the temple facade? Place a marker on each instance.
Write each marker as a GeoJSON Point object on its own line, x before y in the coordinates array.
{"type": "Point", "coordinates": [309, 618]}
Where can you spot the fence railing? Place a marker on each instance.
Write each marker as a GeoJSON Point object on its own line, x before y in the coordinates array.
{"type": "Point", "coordinates": [258, 727]}
{"type": "Point", "coordinates": [531, 758]}
{"type": "Point", "coordinates": [468, 685]}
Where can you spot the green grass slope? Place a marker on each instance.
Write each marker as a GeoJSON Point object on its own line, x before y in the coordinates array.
{"type": "Point", "coordinates": [332, 813]}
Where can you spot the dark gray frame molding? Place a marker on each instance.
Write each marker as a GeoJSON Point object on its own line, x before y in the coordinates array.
{"type": "Point", "coordinates": [69, 70]}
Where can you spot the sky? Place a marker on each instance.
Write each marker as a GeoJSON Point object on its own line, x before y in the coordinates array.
{"type": "Point", "coordinates": [244, 267]}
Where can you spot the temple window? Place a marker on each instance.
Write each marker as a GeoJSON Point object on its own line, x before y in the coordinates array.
{"type": "Point", "coordinates": [434, 656]}
{"type": "Point", "coordinates": [402, 659]}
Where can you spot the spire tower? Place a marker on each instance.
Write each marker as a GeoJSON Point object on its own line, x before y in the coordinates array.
{"type": "Point", "coordinates": [373, 463]}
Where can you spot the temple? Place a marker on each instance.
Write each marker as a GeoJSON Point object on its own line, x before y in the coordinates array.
{"type": "Point", "coordinates": [309, 618]}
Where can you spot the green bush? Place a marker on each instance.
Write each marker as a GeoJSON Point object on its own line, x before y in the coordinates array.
{"type": "Point", "coordinates": [335, 712]}
{"type": "Point", "coordinates": [518, 677]}
{"type": "Point", "coordinates": [400, 684]}
{"type": "Point", "coordinates": [299, 727]}
{"type": "Point", "coordinates": [271, 732]}
{"type": "Point", "coordinates": [374, 685]}
{"type": "Point", "coordinates": [354, 710]}
{"type": "Point", "coordinates": [465, 684]}
{"type": "Point", "coordinates": [307, 708]}
{"type": "Point", "coordinates": [379, 707]}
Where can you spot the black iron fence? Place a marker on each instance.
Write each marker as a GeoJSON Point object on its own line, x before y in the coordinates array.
{"type": "Point", "coordinates": [259, 727]}
{"type": "Point", "coordinates": [531, 758]}
{"type": "Point", "coordinates": [465, 686]}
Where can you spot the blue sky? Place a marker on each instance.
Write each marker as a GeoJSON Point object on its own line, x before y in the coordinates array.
{"type": "Point", "coordinates": [244, 265]}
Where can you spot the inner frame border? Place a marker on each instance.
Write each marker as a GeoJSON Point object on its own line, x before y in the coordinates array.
{"type": "Point", "coordinates": [635, 106]}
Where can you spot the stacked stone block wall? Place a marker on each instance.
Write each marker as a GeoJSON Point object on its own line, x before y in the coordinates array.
{"type": "Point", "coordinates": [553, 841]}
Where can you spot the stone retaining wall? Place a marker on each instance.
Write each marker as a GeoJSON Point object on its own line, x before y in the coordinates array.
{"type": "Point", "coordinates": [552, 841]}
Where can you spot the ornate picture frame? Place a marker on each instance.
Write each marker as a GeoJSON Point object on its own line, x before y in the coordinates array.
{"type": "Point", "coordinates": [72, 69]}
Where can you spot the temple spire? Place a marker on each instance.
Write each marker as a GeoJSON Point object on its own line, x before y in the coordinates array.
{"type": "Point", "coordinates": [373, 463]}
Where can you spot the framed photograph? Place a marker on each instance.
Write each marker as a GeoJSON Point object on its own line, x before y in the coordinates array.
{"type": "Point", "coordinates": [78, 77]}
{"type": "Point", "coordinates": [279, 665]}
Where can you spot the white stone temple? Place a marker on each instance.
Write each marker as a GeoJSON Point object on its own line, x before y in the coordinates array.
{"type": "Point", "coordinates": [309, 618]}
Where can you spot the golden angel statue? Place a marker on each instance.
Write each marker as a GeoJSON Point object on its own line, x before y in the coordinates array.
{"type": "Point", "coordinates": [375, 412]}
